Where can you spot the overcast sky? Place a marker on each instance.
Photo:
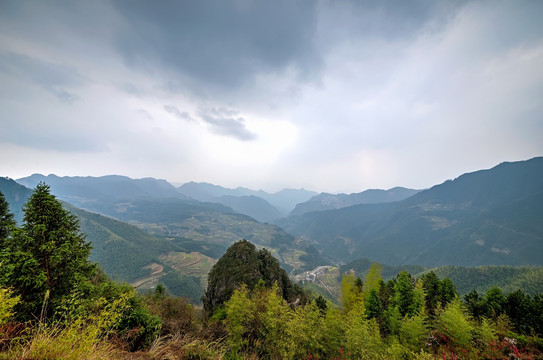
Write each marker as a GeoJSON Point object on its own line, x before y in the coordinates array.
{"type": "Point", "coordinates": [336, 96]}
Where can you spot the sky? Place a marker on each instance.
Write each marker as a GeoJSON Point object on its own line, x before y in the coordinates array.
{"type": "Point", "coordinates": [335, 96]}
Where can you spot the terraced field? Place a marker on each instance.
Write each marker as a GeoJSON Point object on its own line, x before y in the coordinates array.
{"type": "Point", "coordinates": [148, 282]}
{"type": "Point", "coordinates": [193, 264]}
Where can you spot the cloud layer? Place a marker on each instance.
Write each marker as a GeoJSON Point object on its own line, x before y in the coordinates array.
{"type": "Point", "coordinates": [329, 95]}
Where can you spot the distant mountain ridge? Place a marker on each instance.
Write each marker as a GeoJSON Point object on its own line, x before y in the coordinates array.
{"type": "Point", "coordinates": [79, 190]}
{"type": "Point", "coordinates": [284, 200]}
{"type": "Point", "coordinates": [259, 204]}
{"type": "Point", "coordinates": [88, 192]}
{"type": "Point", "coordinates": [486, 217]}
{"type": "Point", "coordinates": [326, 201]}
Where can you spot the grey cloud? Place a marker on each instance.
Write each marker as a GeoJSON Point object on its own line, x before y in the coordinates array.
{"type": "Point", "coordinates": [61, 94]}
{"type": "Point", "coordinates": [220, 43]}
{"type": "Point", "coordinates": [145, 114]}
{"type": "Point", "coordinates": [54, 78]}
{"type": "Point", "coordinates": [390, 20]}
{"type": "Point", "coordinates": [177, 113]}
{"type": "Point", "coordinates": [38, 136]}
{"type": "Point", "coordinates": [132, 89]}
{"type": "Point", "coordinates": [226, 122]}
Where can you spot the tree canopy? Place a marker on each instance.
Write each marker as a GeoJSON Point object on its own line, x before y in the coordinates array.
{"type": "Point", "coordinates": [243, 264]}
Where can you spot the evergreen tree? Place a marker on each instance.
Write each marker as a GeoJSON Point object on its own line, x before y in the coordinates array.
{"type": "Point", "coordinates": [6, 221]}
{"type": "Point", "coordinates": [448, 291]}
{"type": "Point", "coordinates": [404, 293]}
{"type": "Point", "coordinates": [321, 303]}
{"type": "Point", "coordinates": [47, 258]}
{"type": "Point", "coordinates": [495, 302]}
{"type": "Point", "coordinates": [431, 284]}
{"type": "Point", "coordinates": [517, 307]}
{"type": "Point", "coordinates": [374, 308]}
{"type": "Point", "coordinates": [475, 304]}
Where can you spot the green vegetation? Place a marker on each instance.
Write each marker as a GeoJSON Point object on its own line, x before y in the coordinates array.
{"type": "Point", "coordinates": [243, 264]}
{"type": "Point", "coordinates": [50, 287]}
{"type": "Point", "coordinates": [166, 225]}
{"type": "Point", "coordinates": [55, 303]}
{"type": "Point", "coordinates": [47, 258]}
{"type": "Point", "coordinates": [487, 217]}
{"type": "Point", "coordinates": [481, 278]}
{"type": "Point", "coordinates": [392, 322]}
{"type": "Point", "coordinates": [256, 312]}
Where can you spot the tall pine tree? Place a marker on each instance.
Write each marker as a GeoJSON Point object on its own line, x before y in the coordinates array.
{"type": "Point", "coordinates": [46, 260]}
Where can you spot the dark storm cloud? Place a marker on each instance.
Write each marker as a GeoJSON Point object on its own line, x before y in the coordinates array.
{"type": "Point", "coordinates": [183, 115]}
{"type": "Point", "coordinates": [219, 42]}
{"type": "Point", "coordinates": [226, 122]}
{"type": "Point", "coordinates": [54, 78]}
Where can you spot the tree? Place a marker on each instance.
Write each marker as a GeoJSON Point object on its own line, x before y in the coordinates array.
{"type": "Point", "coordinates": [47, 258]}
{"type": "Point", "coordinates": [243, 264]}
{"type": "Point", "coordinates": [321, 303]}
{"type": "Point", "coordinates": [517, 307]}
{"type": "Point", "coordinates": [7, 225]}
{"type": "Point", "coordinates": [495, 301]}
{"type": "Point", "coordinates": [404, 294]}
{"type": "Point", "coordinates": [455, 324]}
{"type": "Point", "coordinates": [431, 284]}
{"type": "Point", "coordinates": [372, 280]}
{"type": "Point", "coordinates": [350, 292]}
{"type": "Point", "coordinates": [6, 221]}
{"type": "Point", "coordinates": [475, 304]}
{"type": "Point", "coordinates": [374, 308]}
{"type": "Point", "coordinates": [448, 291]}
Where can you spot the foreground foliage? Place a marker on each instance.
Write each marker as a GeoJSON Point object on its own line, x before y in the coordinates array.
{"type": "Point", "coordinates": [74, 311]}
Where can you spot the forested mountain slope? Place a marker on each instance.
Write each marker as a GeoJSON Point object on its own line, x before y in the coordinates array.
{"type": "Point", "coordinates": [182, 241]}
{"type": "Point", "coordinates": [486, 217]}
{"type": "Point", "coordinates": [159, 208]}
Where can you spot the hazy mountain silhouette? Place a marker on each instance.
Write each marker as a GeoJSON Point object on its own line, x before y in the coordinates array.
{"type": "Point", "coordinates": [326, 201]}
{"type": "Point", "coordinates": [259, 204]}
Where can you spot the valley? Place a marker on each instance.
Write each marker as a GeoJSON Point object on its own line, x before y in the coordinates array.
{"type": "Point", "coordinates": [147, 231]}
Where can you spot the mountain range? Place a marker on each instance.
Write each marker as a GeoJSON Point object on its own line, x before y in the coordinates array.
{"type": "Point", "coordinates": [142, 236]}
{"type": "Point", "coordinates": [260, 205]}
{"type": "Point", "coordinates": [326, 201]}
{"type": "Point", "coordinates": [146, 231]}
{"type": "Point", "coordinates": [486, 217]}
